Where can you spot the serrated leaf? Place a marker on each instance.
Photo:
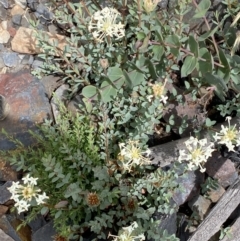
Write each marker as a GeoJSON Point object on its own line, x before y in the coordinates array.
{"type": "Point", "coordinates": [189, 65]}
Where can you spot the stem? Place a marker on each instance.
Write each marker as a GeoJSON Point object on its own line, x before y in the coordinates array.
{"type": "Point", "coordinates": [139, 12]}
{"type": "Point", "coordinates": [185, 51]}
{"type": "Point", "coordinates": [207, 24]}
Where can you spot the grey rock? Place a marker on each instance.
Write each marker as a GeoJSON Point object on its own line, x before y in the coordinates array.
{"type": "Point", "coordinates": [51, 83]}
{"type": "Point", "coordinates": [5, 3]}
{"type": "Point", "coordinates": [189, 186]}
{"type": "Point", "coordinates": [32, 4]}
{"type": "Point", "coordinates": [43, 13]}
{"type": "Point", "coordinates": [37, 63]}
{"type": "Point", "coordinates": [3, 13]}
{"type": "Point", "coordinates": [10, 59]}
{"type": "Point", "coordinates": [37, 223]}
{"type": "Point", "coordinates": [5, 194]}
{"type": "Point", "coordinates": [5, 237]}
{"type": "Point", "coordinates": [16, 19]}
{"type": "Point", "coordinates": [1, 47]}
{"type": "Point", "coordinates": [27, 59]}
{"type": "Point", "coordinates": [200, 205]}
{"type": "Point", "coordinates": [44, 233]}
{"type": "Point", "coordinates": [2, 64]}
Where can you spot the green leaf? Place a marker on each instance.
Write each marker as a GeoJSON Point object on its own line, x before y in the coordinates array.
{"type": "Point", "coordinates": [174, 44]}
{"type": "Point", "coordinates": [152, 69]}
{"type": "Point", "coordinates": [44, 210]}
{"type": "Point", "coordinates": [89, 91]}
{"type": "Point", "coordinates": [193, 45]}
{"type": "Point", "coordinates": [136, 77]}
{"type": "Point", "coordinates": [207, 34]}
{"type": "Point", "coordinates": [189, 65]}
{"type": "Point", "coordinates": [144, 47]}
{"type": "Point", "coordinates": [218, 82]}
{"type": "Point", "coordinates": [158, 51]}
{"type": "Point", "coordinates": [205, 65]}
{"type": "Point", "coordinates": [209, 122]}
{"type": "Point", "coordinates": [114, 73]}
{"type": "Point", "coordinates": [107, 92]}
{"type": "Point", "coordinates": [203, 7]}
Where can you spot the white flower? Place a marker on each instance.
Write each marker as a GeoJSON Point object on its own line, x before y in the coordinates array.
{"type": "Point", "coordinates": [14, 186]}
{"type": "Point", "coordinates": [127, 234]}
{"type": "Point", "coordinates": [228, 136]}
{"type": "Point", "coordinates": [22, 206]}
{"type": "Point", "coordinates": [131, 154]}
{"type": "Point", "coordinates": [103, 23]}
{"type": "Point", "coordinates": [197, 153]}
{"type": "Point", "coordinates": [29, 180]}
{"type": "Point", "coordinates": [40, 198]}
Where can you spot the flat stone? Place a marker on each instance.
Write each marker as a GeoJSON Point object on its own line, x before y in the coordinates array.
{"type": "Point", "coordinates": [16, 19]}
{"type": "Point", "coordinates": [4, 36]}
{"type": "Point", "coordinates": [44, 233]}
{"type": "Point", "coordinates": [200, 205]}
{"type": "Point", "coordinates": [27, 106]}
{"type": "Point", "coordinates": [222, 169]}
{"type": "Point", "coordinates": [215, 194]}
{"type": "Point", "coordinates": [5, 194]}
{"type": "Point", "coordinates": [3, 12]}
{"type": "Point", "coordinates": [43, 13]}
{"type": "Point", "coordinates": [21, 3]}
{"type": "Point", "coordinates": [51, 83]}
{"type": "Point", "coordinates": [3, 210]}
{"type": "Point", "coordinates": [7, 173]}
{"type": "Point", "coordinates": [24, 41]}
{"type": "Point", "coordinates": [10, 59]}
{"type": "Point", "coordinates": [189, 186]}
{"type": "Point", "coordinates": [17, 9]}
{"type": "Point", "coordinates": [9, 224]}
{"type": "Point", "coordinates": [5, 237]}
{"type": "Point", "coordinates": [5, 3]}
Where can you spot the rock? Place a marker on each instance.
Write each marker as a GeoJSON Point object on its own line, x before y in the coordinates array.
{"type": "Point", "coordinates": [5, 3]}
{"type": "Point", "coordinates": [215, 195]}
{"type": "Point", "coordinates": [16, 19]}
{"type": "Point", "coordinates": [25, 42]}
{"type": "Point", "coordinates": [5, 237]}
{"type": "Point", "coordinates": [189, 186]}
{"type": "Point", "coordinates": [11, 224]}
{"type": "Point", "coordinates": [17, 9]}
{"type": "Point", "coordinates": [51, 83]}
{"type": "Point", "coordinates": [3, 13]}
{"type": "Point", "coordinates": [59, 95]}
{"type": "Point", "coordinates": [21, 3]}
{"type": "Point", "coordinates": [5, 194]}
{"type": "Point", "coordinates": [26, 59]}
{"type": "Point", "coordinates": [43, 14]}
{"type": "Point", "coordinates": [37, 63]}
{"type": "Point", "coordinates": [44, 233]}
{"type": "Point", "coordinates": [28, 106]}
{"type": "Point", "coordinates": [32, 4]}
{"type": "Point", "coordinates": [222, 169]}
{"type": "Point", "coordinates": [3, 210]}
{"type": "Point", "coordinates": [10, 59]}
{"type": "Point", "coordinates": [7, 173]}
{"type": "Point", "coordinates": [1, 62]}
{"type": "Point", "coordinates": [4, 36]}
{"type": "Point", "coordinates": [37, 223]}
{"type": "Point", "coordinates": [200, 205]}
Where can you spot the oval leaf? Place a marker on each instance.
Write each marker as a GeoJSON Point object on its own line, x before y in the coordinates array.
{"type": "Point", "coordinates": [188, 66]}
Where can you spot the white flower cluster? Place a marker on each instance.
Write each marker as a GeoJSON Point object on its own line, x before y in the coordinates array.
{"type": "Point", "coordinates": [25, 194]}
{"type": "Point", "coordinates": [197, 153]}
{"type": "Point", "coordinates": [131, 154]}
{"type": "Point", "coordinates": [103, 23]}
{"type": "Point", "coordinates": [127, 234]}
{"type": "Point", "coordinates": [228, 135]}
